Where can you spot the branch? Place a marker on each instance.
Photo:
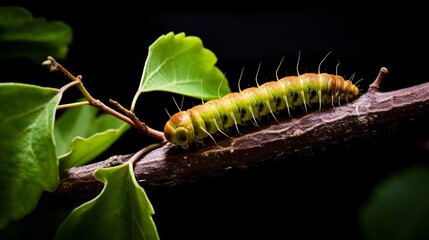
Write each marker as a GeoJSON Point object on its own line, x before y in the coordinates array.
{"type": "Point", "coordinates": [170, 165]}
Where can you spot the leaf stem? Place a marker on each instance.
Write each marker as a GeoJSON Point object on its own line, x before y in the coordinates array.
{"type": "Point", "coordinates": [67, 86]}
{"type": "Point", "coordinates": [138, 155]}
{"type": "Point", "coordinates": [76, 104]}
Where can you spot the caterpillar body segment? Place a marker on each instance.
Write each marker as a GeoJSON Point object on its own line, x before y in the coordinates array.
{"type": "Point", "coordinates": [252, 104]}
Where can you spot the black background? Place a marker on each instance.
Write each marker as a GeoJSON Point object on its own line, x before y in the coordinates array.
{"type": "Point", "coordinates": [317, 194]}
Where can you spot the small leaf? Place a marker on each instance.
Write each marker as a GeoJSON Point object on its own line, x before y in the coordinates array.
{"type": "Point", "coordinates": [21, 35]}
{"type": "Point", "coordinates": [121, 211]}
{"type": "Point", "coordinates": [182, 65]}
{"type": "Point", "coordinates": [28, 164]}
{"type": "Point", "coordinates": [399, 207]}
{"type": "Point", "coordinates": [81, 135]}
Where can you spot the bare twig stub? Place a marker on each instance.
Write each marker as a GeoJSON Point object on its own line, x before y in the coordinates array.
{"type": "Point", "coordinates": [375, 86]}
{"type": "Point", "coordinates": [170, 165]}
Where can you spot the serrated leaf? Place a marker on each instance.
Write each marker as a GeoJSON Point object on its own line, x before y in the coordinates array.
{"type": "Point", "coordinates": [121, 211]}
{"type": "Point", "coordinates": [22, 36]}
{"type": "Point", "coordinates": [81, 134]}
{"type": "Point", "coordinates": [399, 207]}
{"type": "Point", "coordinates": [180, 64]}
{"type": "Point", "coordinates": [28, 164]}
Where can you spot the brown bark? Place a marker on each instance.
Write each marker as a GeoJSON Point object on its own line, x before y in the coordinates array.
{"type": "Point", "coordinates": [373, 111]}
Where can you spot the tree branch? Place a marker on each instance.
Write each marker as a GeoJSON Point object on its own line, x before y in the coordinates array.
{"type": "Point", "coordinates": [371, 112]}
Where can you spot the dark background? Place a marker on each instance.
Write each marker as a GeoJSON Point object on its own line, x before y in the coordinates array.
{"type": "Point", "coordinates": [316, 194]}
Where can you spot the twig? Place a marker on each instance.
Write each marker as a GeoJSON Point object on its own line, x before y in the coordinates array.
{"type": "Point", "coordinates": [140, 125]}
{"type": "Point", "coordinates": [53, 65]}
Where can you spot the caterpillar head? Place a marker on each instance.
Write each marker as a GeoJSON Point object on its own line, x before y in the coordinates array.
{"type": "Point", "coordinates": [179, 130]}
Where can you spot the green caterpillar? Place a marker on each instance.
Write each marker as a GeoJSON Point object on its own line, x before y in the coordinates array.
{"type": "Point", "coordinates": [251, 104]}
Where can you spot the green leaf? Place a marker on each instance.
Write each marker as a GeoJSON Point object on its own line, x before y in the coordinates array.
{"type": "Point", "coordinates": [182, 65]}
{"type": "Point", "coordinates": [28, 164]}
{"type": "Point", "coordinates": [81, 135]}
{"type": "Point", "coordinates": [22, 36]}
{"type": "Point", "coordinates": [399, 207]}
{"type": "Point", "coordinates": [121, 211]}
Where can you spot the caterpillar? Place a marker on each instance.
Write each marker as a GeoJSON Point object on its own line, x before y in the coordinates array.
{"type": "Point", "coordinates": [251, 104]}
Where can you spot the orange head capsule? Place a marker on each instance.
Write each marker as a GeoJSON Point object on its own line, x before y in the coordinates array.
{"type": "Point", "coordinates": [179, 130]}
